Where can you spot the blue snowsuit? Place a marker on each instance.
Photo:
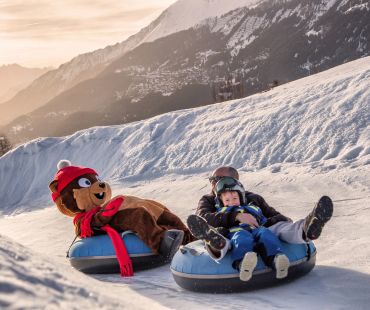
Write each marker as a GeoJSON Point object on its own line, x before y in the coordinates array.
{"type": "Point", "coordinates": [246, 238]}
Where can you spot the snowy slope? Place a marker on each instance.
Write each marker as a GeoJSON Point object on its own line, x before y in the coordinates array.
{"type": "Point", "coordinates": [31, 281]}
{"type": "Point", "coordinates": [290, 124]}
{"type": "Point", "coordinates": [292, 145]}
{"type": "Point", "coordinates": [342, 263]}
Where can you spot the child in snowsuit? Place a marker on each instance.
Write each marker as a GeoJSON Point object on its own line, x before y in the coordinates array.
{"type": "Point", "coordinates": [246, 239]}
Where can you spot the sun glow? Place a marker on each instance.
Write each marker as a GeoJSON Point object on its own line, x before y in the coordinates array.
{"type": "Point", "coordinates": [48, 33]}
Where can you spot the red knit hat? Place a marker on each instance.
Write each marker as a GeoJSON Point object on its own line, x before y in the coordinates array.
{"type": "Point", "coordinates": [66, 174]}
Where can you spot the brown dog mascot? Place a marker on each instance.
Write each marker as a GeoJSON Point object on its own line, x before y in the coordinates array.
{"type": "Point", "coordinates": [78, 192]}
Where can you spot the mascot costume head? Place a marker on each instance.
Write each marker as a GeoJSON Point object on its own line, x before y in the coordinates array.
{"type": "Point", "coordinates": [76, 189]}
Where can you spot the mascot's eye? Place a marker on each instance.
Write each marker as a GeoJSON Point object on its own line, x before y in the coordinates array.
{"type": "Point", "coordinates": [83, 182]}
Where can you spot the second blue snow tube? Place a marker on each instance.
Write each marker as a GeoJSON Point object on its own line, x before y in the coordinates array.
{"type": "Point", "coordinates": [193, 269]}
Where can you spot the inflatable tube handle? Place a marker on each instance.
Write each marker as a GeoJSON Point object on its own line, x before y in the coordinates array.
{"type": "Point", "coordinates": [67, 256]}
{"type": "Point", "coordinates": [126, 232]}
{"type": "Point", "coordinates": [184, 249]}
{"type": "Point", "coordinates": [308, 251]}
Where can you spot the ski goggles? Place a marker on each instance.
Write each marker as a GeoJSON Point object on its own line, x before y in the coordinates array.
{"type": "Point", "coordinates": [228, 184]}
{"type": "Point", "coordinates": [214, 179]}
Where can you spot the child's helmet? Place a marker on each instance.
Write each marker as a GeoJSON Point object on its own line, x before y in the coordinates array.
{"type": "Point", "coordinates": [230, 184]}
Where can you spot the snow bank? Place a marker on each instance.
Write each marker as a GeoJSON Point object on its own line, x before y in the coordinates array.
{"type": "Point", "coordinates": [30, 281]}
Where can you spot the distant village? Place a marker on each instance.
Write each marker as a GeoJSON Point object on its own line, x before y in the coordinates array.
{"type": "Point", "coordinates": [230, 88]}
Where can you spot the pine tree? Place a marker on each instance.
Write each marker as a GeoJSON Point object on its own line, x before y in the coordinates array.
{"type": "Point", "coordinates": [5, 144]}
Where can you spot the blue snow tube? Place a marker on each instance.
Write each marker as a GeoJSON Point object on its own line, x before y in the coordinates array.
{"type": "Point", "coordinates": [97, 255]}
{"type": "Point", "coordinates": [194, 270]}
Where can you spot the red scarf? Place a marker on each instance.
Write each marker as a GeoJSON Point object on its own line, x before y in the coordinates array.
{"type": "Point", "coordinates": [85, 218]}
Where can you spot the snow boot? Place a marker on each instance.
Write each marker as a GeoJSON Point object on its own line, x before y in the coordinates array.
{"type": "Point", "coordinates": [201, 230]}
{"type": "Point", "coordinates": [172, 239]}
{"type": "Point", "coordinates": [318, 217]}
{"type": "Point", "coordinates": [281, 265]}
{"type": "Point", "coordinates": [247, 266]}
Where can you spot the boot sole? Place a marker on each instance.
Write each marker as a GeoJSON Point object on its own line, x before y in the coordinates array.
{"type": "Point", "coordinates": [201, 230]}
{"type": "Point", "coordinates": [247, 266]}
{"type": "Point", "coordinates": [281, 266]}
{"type": "Point", "coordinates": [322, 214]}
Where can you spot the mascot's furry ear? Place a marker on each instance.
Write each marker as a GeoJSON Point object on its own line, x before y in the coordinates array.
{"type": "Point", "coordinates": [53, 186]}
{"type": "Point", "coordinates": [58, 201]}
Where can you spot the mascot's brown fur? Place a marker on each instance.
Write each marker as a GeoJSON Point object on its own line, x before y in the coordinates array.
{"type": "Point", "coordinates": [78, 189]}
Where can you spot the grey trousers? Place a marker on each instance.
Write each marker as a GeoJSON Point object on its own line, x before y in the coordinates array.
{"type": "Point", "coordinates": [290, 232]}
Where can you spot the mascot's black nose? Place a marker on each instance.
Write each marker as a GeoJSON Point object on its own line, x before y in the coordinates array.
{"type": "Point", "coordinates": [102, 185]}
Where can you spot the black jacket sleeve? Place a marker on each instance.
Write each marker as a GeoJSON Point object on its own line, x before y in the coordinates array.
{"type": "Point", "coordinates": [207, 210]}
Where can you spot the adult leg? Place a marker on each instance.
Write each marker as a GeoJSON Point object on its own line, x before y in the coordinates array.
{"type": "Point", "coordinates": [306, 229]}
{"type": "Point", "coordinates": [289, 232]}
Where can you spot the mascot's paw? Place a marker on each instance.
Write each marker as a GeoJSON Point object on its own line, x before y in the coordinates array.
{"type": "Point", "coordinates": [172, 239]}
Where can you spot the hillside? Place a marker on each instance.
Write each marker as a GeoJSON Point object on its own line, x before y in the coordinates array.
{"type": "Point", "coordinates": [14, 78]}
{"type": "Point", "coordinates": [321, 121]}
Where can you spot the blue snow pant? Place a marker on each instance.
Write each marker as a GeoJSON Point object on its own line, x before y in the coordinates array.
{"type": "Point", "coordinates": [260, 238]}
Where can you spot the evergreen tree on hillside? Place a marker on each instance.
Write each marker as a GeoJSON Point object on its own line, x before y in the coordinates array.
{"type": "Point", "coordinates": [5, 144]}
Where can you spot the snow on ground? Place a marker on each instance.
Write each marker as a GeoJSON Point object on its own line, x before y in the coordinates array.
{"type": "Point", "coordinates": [292, 144]}
{"type": "Point", "coordinates": [32, 281]}
{"type": "Point", "coordinates": [343, 263]}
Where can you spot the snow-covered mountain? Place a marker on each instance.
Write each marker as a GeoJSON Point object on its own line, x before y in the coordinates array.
{"type": "Point", "coordinates": [14, 78]}
{"type": "Point", "coordinates": [244, 50]}
{"type": "Point", "coordinates": [291, 144]}
{"type": "Point", "coordinates": [322, 121]}
{"type": "Point", "coordinates": [182, 15]}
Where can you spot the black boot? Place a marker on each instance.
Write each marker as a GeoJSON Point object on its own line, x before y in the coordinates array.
{"type": "Point", "coordinates": [318, 217]}
{"type": "Point", "coordinates": [172, 239]}
{"type": "Point", "coordinates": [201, 230]}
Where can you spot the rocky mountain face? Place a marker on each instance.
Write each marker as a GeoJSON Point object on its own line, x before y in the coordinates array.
{"type": "Point", "coordinates": [244, 51]}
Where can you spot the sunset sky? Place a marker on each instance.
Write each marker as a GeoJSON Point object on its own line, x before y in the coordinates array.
{"type": "Point", "coordinates": [40, 33]}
